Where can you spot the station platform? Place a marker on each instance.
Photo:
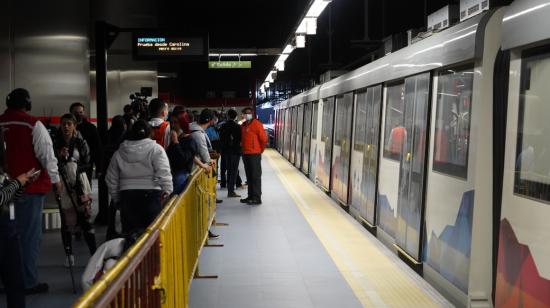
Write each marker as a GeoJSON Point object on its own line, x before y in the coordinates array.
{"type": "Point", "coordinates": [300, 249]}
{"type": "Point", "coordinates": [297, 249]}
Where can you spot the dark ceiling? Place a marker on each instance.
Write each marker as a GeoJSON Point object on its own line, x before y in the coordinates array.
{"type": "Point", "coordinates": [268, 24]}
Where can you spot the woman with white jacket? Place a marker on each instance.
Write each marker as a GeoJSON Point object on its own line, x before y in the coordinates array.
{"type": "Point", "coordinates": [139, 178]}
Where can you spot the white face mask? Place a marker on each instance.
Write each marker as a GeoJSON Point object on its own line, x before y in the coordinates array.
{"type": "Point", "coordinates": [249, 117]}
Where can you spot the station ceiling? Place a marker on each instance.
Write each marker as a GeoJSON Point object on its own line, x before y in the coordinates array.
{"type": "Point", "coordinates": [268, 24]}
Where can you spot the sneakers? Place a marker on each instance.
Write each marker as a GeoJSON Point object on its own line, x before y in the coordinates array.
{"type": "Point", "coordinates": [212, 235]}
{"type": "Point", "coordinates": [233, 195]}
{"type": "Point", "coordinates": [39, 288]}
{"type": "Point", "coordinates": [69, 261]}
{"type": "Point", "coordinates": [218, 201]}
{"type": "Point", "coordinates": [245, 200]}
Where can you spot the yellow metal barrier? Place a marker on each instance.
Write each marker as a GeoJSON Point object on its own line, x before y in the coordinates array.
{"type": "Point", "coordinates": [168, 251]}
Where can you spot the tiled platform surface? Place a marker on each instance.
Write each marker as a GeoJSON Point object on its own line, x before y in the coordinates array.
{"type": "Point", "coordinates": [280, 255]}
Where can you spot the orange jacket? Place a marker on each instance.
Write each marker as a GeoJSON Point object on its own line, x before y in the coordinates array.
{"type": "Point", "coordinates": [254, 138]}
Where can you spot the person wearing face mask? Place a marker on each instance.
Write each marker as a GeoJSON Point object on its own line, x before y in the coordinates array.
{"type": "Point", "coordinates": [161, 128]}
{"type": "Point", "coordinates": [253, 142]}
{"type": "Point", "coordinates": [29, 146]}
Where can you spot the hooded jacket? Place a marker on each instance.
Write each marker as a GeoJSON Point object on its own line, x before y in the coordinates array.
{"type": "Point", "coordinates": [200, 142]}
{"type": "Point", "coordinates": [140, 164]}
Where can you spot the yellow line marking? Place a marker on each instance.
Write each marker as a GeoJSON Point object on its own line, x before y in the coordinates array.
{"type": "Point", "coordinates": [374, 277]}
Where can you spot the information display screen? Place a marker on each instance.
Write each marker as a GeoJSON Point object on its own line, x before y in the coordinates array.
{"type": "Point", "coordinates": [158, 46]}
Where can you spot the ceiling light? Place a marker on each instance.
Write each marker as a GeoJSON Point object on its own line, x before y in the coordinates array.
{"type": "Point", "coordinates": [288, 49]}
{"type": "Point", "coordinates": [317, 8]}
{"type": "Point", "coordinates": [311, 26]}
{"type": "Point", "coordinates": [300, 41]}
{"type": "Point", "coordinates": [232, 55]}
{"type": "Point", "coordinates": [302, 28]}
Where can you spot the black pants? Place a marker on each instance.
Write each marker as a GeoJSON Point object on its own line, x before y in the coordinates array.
{"type": "Point", "coordinates": [253, 170]}
{"type": "Point", "coordinates": [103, 199]}
{"type": "Point", "coordinates": [232, 161]}
{"type": "Point", "coordinates": [138, 208]}
{"type": "Point", "coordinates": [11, 264]}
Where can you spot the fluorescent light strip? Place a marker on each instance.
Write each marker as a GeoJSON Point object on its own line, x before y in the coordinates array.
{"type": "Point", "coordinates": [317, 8]}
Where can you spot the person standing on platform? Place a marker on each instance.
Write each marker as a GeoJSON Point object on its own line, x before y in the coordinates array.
{"type": "Point", "coordinates": [201, 144]}
{"type": "Point", "coordinates": [139, 178]}
{"type": "Point", "coordinates": [29, 146]}
{"type": "Point", "coordinates": [230, 137]}
{"type": "Point", "coordinates": [11, 266]}
{"type": "Point", "coordinates": [158, 110]}
{"type": "Point", "coordinates": [183, 119]}
{"type": "Point", "coordinates": [115, 136]}
{"type": "Point", "coordinates": [91, 136]}
{"type": "Point", "coordinates": [253, 141]}
{"type": "Point", "coordinates": [73, 155]}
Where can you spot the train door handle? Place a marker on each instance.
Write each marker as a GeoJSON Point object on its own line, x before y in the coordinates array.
{"type": "Point", "coordinates": [409, 156]}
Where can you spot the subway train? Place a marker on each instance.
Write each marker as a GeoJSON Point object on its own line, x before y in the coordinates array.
{"type": "Point", "coordinates": [442, 151]}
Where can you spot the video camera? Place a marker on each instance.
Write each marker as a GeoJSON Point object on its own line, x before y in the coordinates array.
{"type": "Point", "coordinates": [139, 102]}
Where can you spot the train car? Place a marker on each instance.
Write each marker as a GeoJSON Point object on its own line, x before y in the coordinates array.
{"type": "Point", "coordinates": [406, 142]}
{"type": "Point", "coordinates": [523, 259]}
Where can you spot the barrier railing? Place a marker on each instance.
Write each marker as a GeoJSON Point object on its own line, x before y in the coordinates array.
{"type": "Point", "coordinates": [157, 270]}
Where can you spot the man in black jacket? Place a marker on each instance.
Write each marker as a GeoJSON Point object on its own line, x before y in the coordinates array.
{"type": "Point", "coordinates": [90, 134]}
{"type": "Point", "coordinates": [231, 148]}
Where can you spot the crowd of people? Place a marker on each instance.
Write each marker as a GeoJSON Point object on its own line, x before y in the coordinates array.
{"type": "Point", "coordinates": [146, 157]}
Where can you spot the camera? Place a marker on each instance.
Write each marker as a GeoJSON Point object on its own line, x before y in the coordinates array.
{"type": "Point", "coordinates": [139, 103]}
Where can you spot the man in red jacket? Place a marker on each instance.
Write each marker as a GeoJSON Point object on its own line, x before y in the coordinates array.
{"type": "Point", "coordinates": [29, 146]}
{"type": "Point", "coordinates": [253, 142]}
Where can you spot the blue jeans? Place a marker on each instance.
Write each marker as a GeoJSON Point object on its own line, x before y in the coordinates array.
{"type": "Point", "coordinates": [28, 215]}
{"type": "Point", "coordinates": [180, 181]}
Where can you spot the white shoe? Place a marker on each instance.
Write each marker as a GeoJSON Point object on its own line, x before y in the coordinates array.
{"type": "Point", "coordinates": [71, 258]}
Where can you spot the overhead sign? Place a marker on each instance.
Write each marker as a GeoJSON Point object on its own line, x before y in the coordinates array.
{"type": "Point", "coordinates": [173, 47]}
{"type": "Point", "coordinates": [229, 64]}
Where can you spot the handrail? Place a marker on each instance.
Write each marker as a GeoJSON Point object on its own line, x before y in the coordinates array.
{"type": "Point", "coordinates": [169, 250]}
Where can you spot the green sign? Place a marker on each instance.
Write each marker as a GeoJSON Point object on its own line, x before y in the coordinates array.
{"type": "Point", "coordinates": [229, 64]}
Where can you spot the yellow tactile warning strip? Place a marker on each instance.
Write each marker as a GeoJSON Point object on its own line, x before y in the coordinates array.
{"type": "Point", "coordinates": [377, 278]}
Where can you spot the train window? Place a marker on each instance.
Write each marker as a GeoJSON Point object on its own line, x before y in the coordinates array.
{"type": "Point", "coordinates": [394, 131]}
{"type": "Point", "coordinates": [532, 176]}
{"type": "Point", "coordinates": [360, 121]}
{"type": "Point", "coordinates": [314, 120]}
{"type": "Point", "coordinates": [452, 123]}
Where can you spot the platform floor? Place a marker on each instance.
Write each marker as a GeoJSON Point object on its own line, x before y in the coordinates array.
{"type": "Point", "coordinates": [300, 249]}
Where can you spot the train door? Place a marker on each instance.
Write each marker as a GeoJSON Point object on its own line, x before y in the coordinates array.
{"type": "Point", "coordinates": [288, 133]}
{"type": "Point", "coordinates": [325, 144]}
{"type": "Point", "coordinates": [341, 147]}
{"type": "Point", "coordinates": [314, 146]}
{"type": "Point", "coordinates": [277, 129]}
{"type": "Point", "coordinates": [299, 136]}
{"type": "Point", "coordinates": [281, 130]}
{"type": "Point", "coordinates": [523, 266]}
{"type": "Point", "coordinates": [306, 140]}
{"type": "Point", "coordinates": [293, 136]}
{"type": "Point", "coordinates": [410, 204]}
{"type": "Point", "coordinates": [449, 205]}
{"type": "Point", "coordinates": [364, 161]}
{"type": "Point", "coordinates": [388, 178]}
